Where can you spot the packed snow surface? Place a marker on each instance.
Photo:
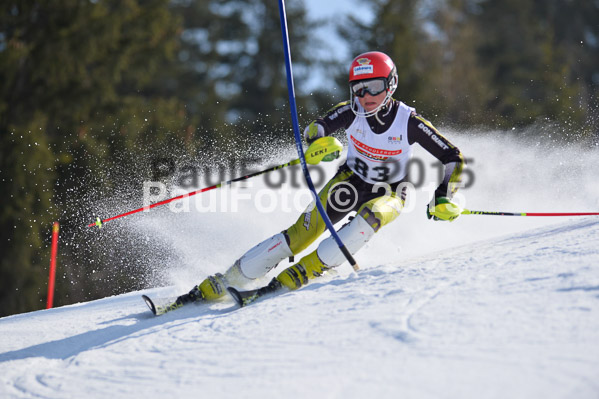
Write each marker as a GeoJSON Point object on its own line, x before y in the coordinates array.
{"type": "Point", "coordinates": [483, 307]}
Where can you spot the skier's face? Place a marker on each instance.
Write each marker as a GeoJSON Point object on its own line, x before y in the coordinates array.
{"type": "Point", "coordinates": [370, 103]}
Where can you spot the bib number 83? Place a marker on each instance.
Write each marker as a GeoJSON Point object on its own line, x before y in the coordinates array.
{"type": "Point", "coordinates": [383, 173]}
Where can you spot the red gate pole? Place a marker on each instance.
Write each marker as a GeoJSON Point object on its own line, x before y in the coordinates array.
{"type": "Point", "coordinates": [52, 277]}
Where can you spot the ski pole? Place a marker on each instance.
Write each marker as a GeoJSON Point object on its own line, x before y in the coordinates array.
{"type": "Point", "coordinates": [99, 222]}
{"type": "Point", "coordinates": [298, 140]}
{"type": "Point", "coordinates": [469, 212]}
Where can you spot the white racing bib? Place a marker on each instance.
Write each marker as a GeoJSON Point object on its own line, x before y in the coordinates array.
{"type": "Point", "coordinates": [380, 158]}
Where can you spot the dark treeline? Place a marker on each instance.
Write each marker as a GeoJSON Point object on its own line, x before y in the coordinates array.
{"type": "Point", "coordinates": [496, 64]}
{"type": "Point", "coordinates": [92, 91]}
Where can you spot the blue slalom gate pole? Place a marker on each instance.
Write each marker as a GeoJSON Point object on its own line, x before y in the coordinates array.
{"type": "Point", "coordinates": [298, 138]}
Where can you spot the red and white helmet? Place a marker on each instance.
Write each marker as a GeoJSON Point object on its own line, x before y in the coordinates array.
{"type": "Point", "coordinates": [373, 73]}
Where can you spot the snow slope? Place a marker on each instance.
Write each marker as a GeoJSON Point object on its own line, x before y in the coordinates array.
{"type": "Point", "coordinates": [484, 307]}
{"type": "Point", "coordinates": [514, 317]}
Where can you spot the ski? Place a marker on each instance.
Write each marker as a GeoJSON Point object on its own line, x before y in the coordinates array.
{"type": "Point", "coordinates": [244, 298]}
{"type": "Point", "coordinates": [192, 296]}
{"type": "Point", "coordinates": [161, 309]}
{"type": "Point", "coordinates": [150, 304]}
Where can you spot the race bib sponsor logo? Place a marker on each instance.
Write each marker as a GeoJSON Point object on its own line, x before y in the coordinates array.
{"type": "Point", "coordinates": [375, 154]}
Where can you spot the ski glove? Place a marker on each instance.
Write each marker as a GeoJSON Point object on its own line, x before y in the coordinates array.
{"type": "Point", "coordinates": [324, 149]}
{"type": "Point", "coordinates": [441, 208]}
{"type": "Point", "coordinates": [313, 132]}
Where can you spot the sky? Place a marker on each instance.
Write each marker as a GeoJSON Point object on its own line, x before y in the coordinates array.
{"type": "Point", "coordinates": [331, 9]}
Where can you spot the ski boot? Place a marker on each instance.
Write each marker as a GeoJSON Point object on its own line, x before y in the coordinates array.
{"type": "Point", "coordinates": [211, 288]}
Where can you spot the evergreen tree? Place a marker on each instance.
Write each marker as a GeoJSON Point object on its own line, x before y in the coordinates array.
{"type": "Point", "coordinates": [394, 30]}
{"type": "Point", "coordinates": [433, 48]}
{"type": "Point", "coordinates": [234, 68]}
{"type": "Point", "coordinates": [575, 39]}
{"type": "Point", "coordinates": [529, 70]}
{"type": "Point", "coordinates": [26, 184]}
{"type": "Point", "coordinates": [79, 79]}
{"type": "Point", "coordinates": [483, 62]}
{"type": "Point", "coordinates": [456, 86]}
{"type": "Point", "coordinates": [104, 88]}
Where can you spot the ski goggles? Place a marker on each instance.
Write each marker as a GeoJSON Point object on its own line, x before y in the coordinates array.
{"type": "Point", "coordinates": [373, 87]}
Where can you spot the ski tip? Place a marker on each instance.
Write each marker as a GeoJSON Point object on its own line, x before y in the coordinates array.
{"type": "Point", "coordinates": [150, 304]}
{"type": "Point", "coordinates": [236, 296]}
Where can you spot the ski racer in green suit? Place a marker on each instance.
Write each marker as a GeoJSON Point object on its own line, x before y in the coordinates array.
{"type": "Point", "coordinates": [381, 132]}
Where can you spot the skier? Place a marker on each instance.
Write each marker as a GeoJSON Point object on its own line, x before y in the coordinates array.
{"type": "Point", "coordinates": [381, 132]}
